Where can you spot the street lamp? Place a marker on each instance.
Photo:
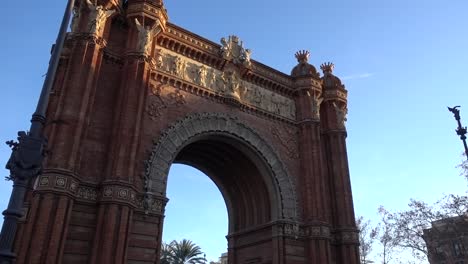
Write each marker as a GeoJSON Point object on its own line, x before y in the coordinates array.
{"type": "Point", "coordinates": [461, 131]}
{"type": "Point", "coordinates": [27, 154]}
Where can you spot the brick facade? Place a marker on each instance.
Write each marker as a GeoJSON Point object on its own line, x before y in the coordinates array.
{"type": "Point", "coordinates": [134, 94]}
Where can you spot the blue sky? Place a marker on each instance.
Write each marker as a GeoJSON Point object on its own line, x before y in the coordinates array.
{"type": "Point", "coordinates": [402, 62]}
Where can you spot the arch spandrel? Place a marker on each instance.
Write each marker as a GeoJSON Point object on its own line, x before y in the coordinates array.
{"type": "Point", "coordinates": [194, 127]}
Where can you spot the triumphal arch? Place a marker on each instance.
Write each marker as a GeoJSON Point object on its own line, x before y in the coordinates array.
{"type": "Point", "coordinates": [134, 94]}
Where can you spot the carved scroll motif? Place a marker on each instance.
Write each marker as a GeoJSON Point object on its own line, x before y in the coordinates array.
{"type": "Point", "coordinates": [225, 83]}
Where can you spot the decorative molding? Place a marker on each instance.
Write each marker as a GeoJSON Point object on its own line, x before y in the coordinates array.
{"type": "Point", "coordinates": [110, 192]}
{"type": "Point", "coordinates": [346, 237]}
{"type": "Point", "coordinates": [305, 232]}
{"type": "Point", "coordinates": [179, 133]}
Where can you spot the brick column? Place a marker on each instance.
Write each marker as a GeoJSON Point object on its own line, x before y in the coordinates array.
{"type": "Point", "coordinates": [333, 112]}
{"type": "Point", "coordinates": [115, 219]}
{"type": "Point", "coordinates": [316, 214]}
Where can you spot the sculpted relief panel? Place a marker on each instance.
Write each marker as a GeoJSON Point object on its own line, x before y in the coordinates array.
{"type": "Point", "coordinates": [226, 83]}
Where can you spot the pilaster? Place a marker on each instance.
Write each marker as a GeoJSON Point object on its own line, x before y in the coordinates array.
{"type": "Point", "coordinates": [145, 20]}
{"type": "Point", "coordinates": [334, 112]}
{"type": "Point", "coordinates": [315, 212]}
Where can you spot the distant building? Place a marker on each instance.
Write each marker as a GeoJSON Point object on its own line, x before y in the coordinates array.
{"type": "Point", "coordinates": [447, 241]}
{"type": "Point", "coordinates": [222, 260]}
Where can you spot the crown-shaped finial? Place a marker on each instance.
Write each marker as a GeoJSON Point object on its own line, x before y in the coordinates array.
{"type": "Point", "coordinates": [327, 67]}
{"type": "Point", "coordinates": [302, 56]}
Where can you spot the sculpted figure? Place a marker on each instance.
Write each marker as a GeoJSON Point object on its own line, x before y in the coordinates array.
{"type": "Point", "coordinates": [316, 102]}
{"type": "Point", "coordinates": [232, 83]}
{"type": "Point", "coordinates": [341, 114]}
{"type": "Point", "coordinates": [245, 57]}
{"type": "Point", "coordinates": [97, 17]}
{"type": "Point", "coordinates": [275, 104]}
{"type": "Point", "coordinates": [146, 35]}
{"type": "Point", "coordinates": [178, 67]}
{"type": "Point", "coordinates": [225, 49]}
{"type": "Point", "coordinates": [211, 83]}
{"type": "Point", "coordinates": [200, 77]}
{"type": "Point", "coordinates": [159, 60]}
{"type": "Point", "coordinates": [75, 20]}
{"type": "Point", "coordinates": [257, 97]}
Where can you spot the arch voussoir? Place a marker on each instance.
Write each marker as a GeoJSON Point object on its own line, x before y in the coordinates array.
{"type": "Point", "coordinates": [183, 131]}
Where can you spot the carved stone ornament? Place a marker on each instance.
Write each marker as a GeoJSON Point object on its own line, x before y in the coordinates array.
{"type": "Point", "coordinates": [288, 139]}
{"type": "Point", "coordinates": [158, 103]}
{"type": "Point", "coordinates": [97, 18]}
{"type": "Point", "coordinates": [341, 115]}
{"type": "Point", "coordinates": [146, 35]}
{"type": "Point", "coordinates": [316, 101]}
{"type": "Point", "coordinates": [232, 49]}
{"type": "Point", "coordinates": [75, 20]}
{"type": "Point", "coordinates": [227, 83]}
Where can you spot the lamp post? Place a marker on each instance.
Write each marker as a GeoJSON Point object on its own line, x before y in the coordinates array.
{"type": "Point", "coordinates": [27, 154]}
{"type": "Point", "coordinates": [461, 131]}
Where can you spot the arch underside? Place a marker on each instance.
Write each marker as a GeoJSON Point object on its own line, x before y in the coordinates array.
{"type": "Point", "coordinates": [254, 182]}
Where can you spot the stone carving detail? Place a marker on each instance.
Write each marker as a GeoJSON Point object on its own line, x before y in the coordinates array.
{"type": "Point", "coordinates": [150, 204]}
{"type": "Point", "coordinates": [315, 103]}
{"type": "Point", "coordinates": [232, 49]}
{"type": "Point", "coordinates": [75, 20]}
{"type": "Point", "coordinates": [159, 102]}
{"type": "Point", "coordinates": [146, 35]}
{"type": "Point", "coordinates": [97, 18]}
{"type": "Point", "coordinates": [200, 77]}
{"type": "Point", "coordinates": [87, 193]}
{"type": "Point", "coordinates": [341, 115]}
{"type": "Point", "coordinates": [44, 181]}
{"type": "Point", "coordinates": [305, 231]}
{"type": "Point", "coordinates": [288, 139]}
{"type": "Point", "coordinates": [173, 139]}
{"type": "Point", "coordinates": [226, 83]}
{"type": "Point", "coordinates": [347, 237]}
{"type": "Point", "coordinates": [57, 183]}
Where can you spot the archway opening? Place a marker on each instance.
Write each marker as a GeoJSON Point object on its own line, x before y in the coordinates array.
{"type": "Point", "coordinates": [218, 166]}
{"type": "Point", "coordinates": [196, 211]}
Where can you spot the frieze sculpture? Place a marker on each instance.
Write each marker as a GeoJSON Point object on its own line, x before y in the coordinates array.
{"type": "Point", "coordinates": [341, 115]}
{"type": "Point", "coordinates": [226, 83]}
{"type": "Point", "coordinates": [146, 35]}
{"type": "Point", "coordinates": [97, 17]}
{"type": "Point", "coordinates": [232, 49]}
{"type": "Point", "coordinates": [200, 77]}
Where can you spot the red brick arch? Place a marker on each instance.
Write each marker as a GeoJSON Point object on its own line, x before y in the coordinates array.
{"type": "Point", "coordinates": [222, 127]}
